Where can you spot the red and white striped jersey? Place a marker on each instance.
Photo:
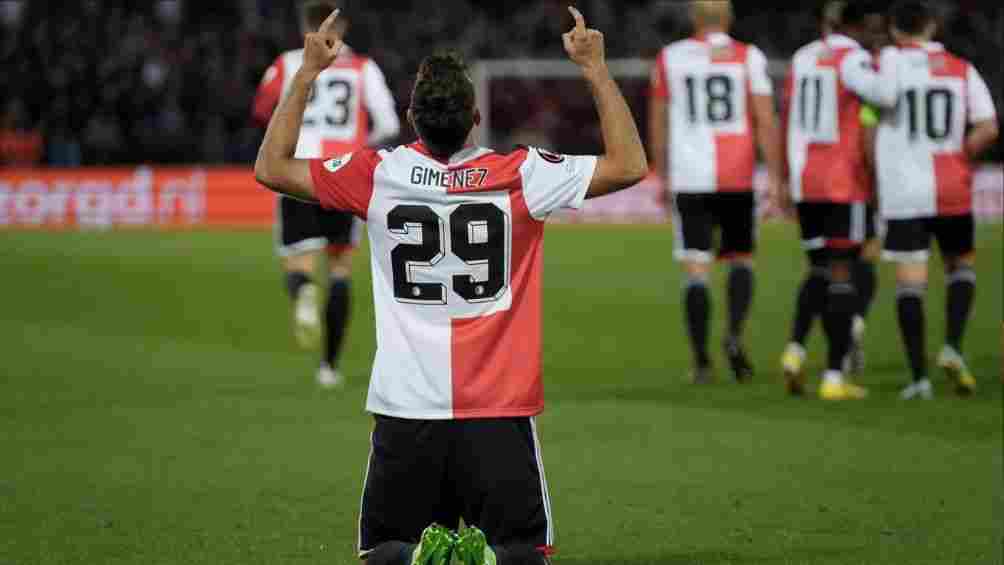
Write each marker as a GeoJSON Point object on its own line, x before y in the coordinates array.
{"type": "Point", "coordinates": [707, 82]}
{"type": "Point", "coordinates": [456, 250]}
{"type": "Point", "coordinates": [343, 100]}
{"type": "Point", "coordinates": [923, 170]}
{"type": "Point", "coordinates": [823, 93]}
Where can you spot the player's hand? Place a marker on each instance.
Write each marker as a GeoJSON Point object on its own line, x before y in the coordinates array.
{"type": "Point", "coordinates": [584, 46]}
{"type": "Point", "coordinates": [322, 47]}
{"type": "Point", "coordinates": [780, 198]}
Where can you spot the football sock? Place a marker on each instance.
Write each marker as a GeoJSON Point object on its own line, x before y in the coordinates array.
{"type": "Point", "coordinates": [961, 288]}
{"type": "Point", "coordinates": [865, 282]}
{"type": "Point", "coordinates": [391, 553]}
{"type": "Point", "coordinates": [910, 309]}
{"type": "Point", "coordinates": [519, 555]}
{"type": "Point", "coordinates": [841, 303]}
{"type": "Point", "coordinates": [336, 316]}
{"type": "Point", "coordinates": [811, 298]}
{"type": "Point", "coordinates": [740, 297]}
{"type": "Point", "coordinates": [295, 281]}
{"type": "Point", "coordinates": [698, 312]}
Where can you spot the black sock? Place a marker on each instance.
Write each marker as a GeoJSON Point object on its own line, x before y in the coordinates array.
{"type": "Point", "coordinates": [698, 312]}
{"type": "Point", "coordinates": [740, 297]}
{"type": "Point", "coordinates": [391, 553]}
{"type": "Point", "coordinates": [811, 300]}
{"type": "Point", "coordinates": [961, 288]}
{"type": "Point", "coordinates": [912, 327]}
{"type": "Point", "coordinates": [865, 282]}
{"type": "Point", "coordinates": [336, 317]}
{"type": "Point", "coordinates": [841, 303]}
{"type": "Point", "coordinates": [295, 281]}
{"type": "Point", "coordinates": [519, 555]}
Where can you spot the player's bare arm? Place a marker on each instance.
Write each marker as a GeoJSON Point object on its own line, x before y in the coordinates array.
{"type": "Point", "coordinates": [982, 135]}
{"type": "Point", "coordinates": [658, 138]}
{"type": "Point", "coordinates": [624, 163]}
{"type": "Point", "coordinates": [768, 136]}
{"type": "Point", "coordinates": [276, 166]}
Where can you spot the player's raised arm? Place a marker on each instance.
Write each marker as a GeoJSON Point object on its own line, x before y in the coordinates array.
{"type": "Point", "coordinates": [276, 166]}
{"type": "Point", "coordinates": [623, 164]}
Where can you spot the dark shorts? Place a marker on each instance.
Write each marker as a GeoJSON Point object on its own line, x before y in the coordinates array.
{"type": "Point", "coordinates": [697, 215]}
{"type": "Point", "coordinates": [302, 227]}
{"type": "Point", "coordinates": [908, 241]}
{"type": "Point", "coordinates": [839, 228]}
{"type": "Point", "coordinates": [488, 472]}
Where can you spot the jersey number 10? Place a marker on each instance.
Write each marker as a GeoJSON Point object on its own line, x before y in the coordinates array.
{"type": "Point", "coordinates": [931, 113]}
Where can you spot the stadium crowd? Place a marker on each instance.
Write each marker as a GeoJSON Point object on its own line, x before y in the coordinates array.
{"type": "Point", "coordinates": [172, 81]}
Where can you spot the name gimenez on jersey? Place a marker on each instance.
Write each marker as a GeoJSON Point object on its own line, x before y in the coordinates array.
{"type": "Point", "coordinates": [462, 179]}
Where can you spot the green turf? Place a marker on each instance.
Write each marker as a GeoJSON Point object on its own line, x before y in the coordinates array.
{"type": "Point", "coordinates": [153, 409]}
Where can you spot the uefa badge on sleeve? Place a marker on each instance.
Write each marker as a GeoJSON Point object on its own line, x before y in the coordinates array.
{"type": "Point", "coordinates": [553, 158]}
{"type": "Point", "coordinates": [333, 165]}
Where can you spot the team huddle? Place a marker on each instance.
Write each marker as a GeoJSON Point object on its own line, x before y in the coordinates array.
{"type": "Point", "coordinates": [456, 236]}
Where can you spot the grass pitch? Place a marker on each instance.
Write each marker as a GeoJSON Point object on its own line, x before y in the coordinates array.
{"type": "Point", "coordinates": [153, 409]}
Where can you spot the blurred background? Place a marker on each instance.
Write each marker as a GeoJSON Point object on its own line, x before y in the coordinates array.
{"type": "Point", "coordinates": [103, 82]}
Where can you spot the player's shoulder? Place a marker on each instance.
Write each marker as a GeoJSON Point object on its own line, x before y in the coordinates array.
{"type": "Point", "coordinates": [944, 62]}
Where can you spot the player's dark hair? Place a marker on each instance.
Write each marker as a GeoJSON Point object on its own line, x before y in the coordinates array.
{"type": "Point", "coordinates": [912, 16]}
{"type": "Point", "coordinates": [442, 104]}
{"type": "Point", "coordinates": [855, 12]}
{"type": "Point", "coordinates": [314, 12]}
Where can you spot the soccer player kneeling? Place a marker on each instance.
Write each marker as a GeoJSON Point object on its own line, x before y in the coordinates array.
{"type": "Point", "coordinates": [925, 185]}
{"type": "Point", "coordinates": [456, 234]}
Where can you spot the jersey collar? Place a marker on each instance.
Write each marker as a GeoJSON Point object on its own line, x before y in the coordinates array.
{"type": "Point", "coordinates": [713, 38]}
{"type": "Point", "coordinates": [929, 46]}
{"type": "Point", "coordinates": [838, 40]}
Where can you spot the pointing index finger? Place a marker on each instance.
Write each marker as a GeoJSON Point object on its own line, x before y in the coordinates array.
{"type": "Point", "coordinates": [580, 21]}
{"type": "Point", "coordinates": [329, 22]}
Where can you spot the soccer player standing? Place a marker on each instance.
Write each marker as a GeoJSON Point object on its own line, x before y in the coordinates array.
{"type": "Point", "coordinates": [711, 105]}
{"type": "Point", "coordinates": [345, 98]}
{"type": "Point", "coordinates": [830, 181]}
{"type": "Point", "coordinates": [456, 235]}
{"type": "Point", "coordinates": [945, 118]}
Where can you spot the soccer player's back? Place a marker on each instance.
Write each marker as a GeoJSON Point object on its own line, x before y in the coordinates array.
{"type": "Point", "coordinates": [945, 117]}
{"type": "Point", "coordinates": [711, 105]}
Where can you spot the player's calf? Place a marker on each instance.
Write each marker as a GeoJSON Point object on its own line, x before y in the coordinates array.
{"type": "Point", "coordinates": [697, 302]}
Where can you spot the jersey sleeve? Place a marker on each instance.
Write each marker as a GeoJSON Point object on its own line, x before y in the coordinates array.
{"type": "Point", "coordinates": [978, 98]}
{"type": "Point", "coordinates": [857, 72]}
{"type": "Point", "coordinates": [380, 103]}
{"type": "Point", "coordinates": [659, 86]}
{"type": "Point", "coordinates": [346, 182]}
{"type": "Point", "coordinates": [552, 181]}
{"type": "Point", "coordinates": [760, 84]}
{"type": "Point", "coordinates": [269, 93]}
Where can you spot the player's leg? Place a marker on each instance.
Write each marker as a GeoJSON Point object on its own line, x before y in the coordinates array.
{"type": "Point", "coordinates": [906, 244]}
{"type": "Point", "coordinates": [299, 243]}
{"type": "Point", "coordinates": [844, 231]}
{"type": "Point", "coordinates": [955, 237]}
{"type": "Point", "coordinates": [340, 231]}
{"type": "Point", "coordinates": [736, 216]}
{"type": "Point", "coordinates": [865, 281]}
{"type": "Point", "coordinates": [811, 296]}
{"type": "Point", "coordinates": [403, 495]}
{"type": "Point", "coordinates": [693, 225]}
{"type": "Point", "coordinates": [498, 470]}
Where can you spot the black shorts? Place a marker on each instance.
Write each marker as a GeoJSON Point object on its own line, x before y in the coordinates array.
{"type": "Point", "coordinates": [488, 472]}
{"type": "Point", "coordinates": [908, 241]}
{"type": "Point", "coordinates": [697, 215]}
{"type": "Point", "coordinates": [302, 227]}
{"type": "Point", "coordinates": [839, 228]}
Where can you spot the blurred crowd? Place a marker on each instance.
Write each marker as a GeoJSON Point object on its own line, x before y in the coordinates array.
{"type": "Point", "coordinates": [172, 81]}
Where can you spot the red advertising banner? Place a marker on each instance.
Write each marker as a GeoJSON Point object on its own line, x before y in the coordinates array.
{"type": "Point", "coordinates": [133, 197]}
{"type": "Point", "coordinates": [229, 197]}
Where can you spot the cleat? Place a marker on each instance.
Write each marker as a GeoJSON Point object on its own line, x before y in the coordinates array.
{"type": "Point", "coordinates": [742, 370]}
{"type": "Point", "coordinates": [955, 367]}
{"type": "Point", "coordinates": [435, 547]}
{"type": "Point", "coordinates": [920, 389]}
{"type": "Point", "coordinates": [794, 375]}
{"type": "Point", "coordinates": [835, 388]}
{"type": "Point", "coordinates": [702, 376]}
{"type": "Point", "coordinates": [854, 363]}
{"type": "Point", "coordinates": [472, 548]}
{"type": "Point", "coordinates": [327, 377]}
{"type": "Point", "coordinates": [307, 318]}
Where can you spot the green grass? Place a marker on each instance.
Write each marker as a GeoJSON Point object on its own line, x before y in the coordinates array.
{"type": "Point", "coordinates": [153, 409]}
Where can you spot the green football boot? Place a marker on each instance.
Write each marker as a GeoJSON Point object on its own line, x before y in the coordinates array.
{"type": "Point", "coordinates": [472, 548]}
{"type": "Point", "coordinates": [435, 547]}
